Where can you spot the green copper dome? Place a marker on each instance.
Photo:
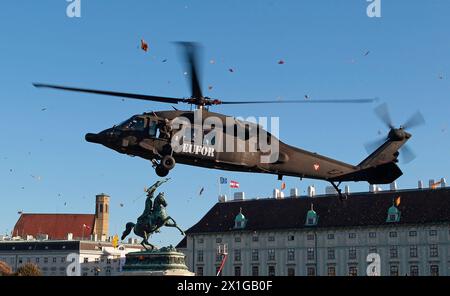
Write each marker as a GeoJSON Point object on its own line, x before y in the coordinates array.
{"type": "Point", "coordinates": [240, 221]}
{"type": "Point", "coordinates": [393, 214]}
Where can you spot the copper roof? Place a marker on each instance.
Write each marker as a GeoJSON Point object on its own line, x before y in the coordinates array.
{"type": "Point", "coordinates": [56, 226]}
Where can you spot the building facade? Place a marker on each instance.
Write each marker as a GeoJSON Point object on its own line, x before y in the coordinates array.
{"type": "Point", "coordinates": [66, 257]}
{"type": "Point", "coordinates": [409, 230]}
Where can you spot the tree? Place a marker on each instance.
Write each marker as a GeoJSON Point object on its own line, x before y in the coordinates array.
{"type": "Point", "coordinates": [29, 269]}
{"type": "Point", "coordinates": [5, 269]}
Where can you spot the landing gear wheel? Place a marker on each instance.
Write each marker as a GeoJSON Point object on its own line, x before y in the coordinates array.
{"type": "Point", "coordinates": [167, 162]}
{"type": "Point", "coordinates": [161, 172]}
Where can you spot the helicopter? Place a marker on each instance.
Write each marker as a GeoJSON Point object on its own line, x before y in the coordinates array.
{"type": "Point", "coordinates": [154, 136]}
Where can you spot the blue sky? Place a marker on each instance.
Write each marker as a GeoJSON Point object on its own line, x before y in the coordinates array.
{"type": "Point", "coordinates": [322, 43]}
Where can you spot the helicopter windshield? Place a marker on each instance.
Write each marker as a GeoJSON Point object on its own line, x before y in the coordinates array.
{"type": "Point", "coordinates": [134, 123]}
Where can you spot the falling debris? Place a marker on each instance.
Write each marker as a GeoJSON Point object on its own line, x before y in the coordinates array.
{"type": "Point", "coordinates": [20, 212]}
{"type": "Point", "coordinates": [210, 87]}
{"type": "Point", "coordinates": [306, 97]}
{"type": "Point", "coordinates": [212, 62]}
{"type": "Point", "coordinates": [185, 73]}
{"type": "Point", "coordinates": [231, 70]}
{"type": "Point", "coordinates": [201, 191]}
{"type": "Point", "coordinates": [144, 45]}
{"type": "Point", "coordinates": [441, 77]}
{"type": "Point", "coordinates": [10, 170]}
{"type": "Point", "coordinates": [23, 187]}
{"type": "Point", "coordinates": [280, 62]}
{"type": "Point", "coordinates": [38, 178]}
{"type": "Point", "coordinates": [165, 60]}
{"type": "Point", "coordinates": [283, 185]}
{"type": "Point", "coordinates": [121, 205]}
{"type": "Point", "coordinates": [379, 132]}
{"type": "Point", "coordinates": [65, 204]}
{"type": "Point", "coordinates": [366, 53]}
{"type": "Point", "coordinates": [43, 109]}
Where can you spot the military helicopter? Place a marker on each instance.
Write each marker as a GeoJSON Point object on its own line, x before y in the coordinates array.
{"type": "Point", "coordinates": [152, 136]}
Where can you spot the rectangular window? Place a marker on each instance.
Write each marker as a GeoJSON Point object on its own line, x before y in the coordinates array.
{"type": "Point", "coordinates": [54, 259]}
{"type": "Point", "coordinates": [45, 260]}
{"type": "Point", "coordinates": [414, 270]}
{"type": "Point", "coordinates": [200, 256]}
{"type": "Point", "coordinates": [63, 259]}
{"type": "Point", "coordinates": [434, 251]}
{"type": "Point", "coordinates": [255, 255]}
{"type": "Point", "coordinates": [310, 236]}
{"type": "Point", "coordinates": [291, 238]}
{"type": "Point", "coordinates": [86, 260]}
{"type": "Point", "coordinates": [393, 270]}
{"type": "Point", "coordinates": [433, 232]}
{"type": "Point", "coordinates": [311, 271]}
{"type": "Point", "coordinates": [108, 261]}
{"type": "Point", "coordinates": [200, 240]}
{"type": "Point", "coordinates": [218, 257]}
{"type": "Point", "coordinates": [271, 270]}
{"type": "Point", "coordinates": [237, 239]}
{"type": "Point", "coordinates": [373, 250]}
{"type": "Point", "coordinates": [413, 233]}
{"type": "Point", "coordinates": [310, 254]}
{"type": "Point", "coordinates": [372, 234]}
{"type": "Point", "coordinates": [291, 271]}
{"type": "Point", "coordinates": [352, 235]}
{"type": "Point", "coordinates": [237, 271]}
{"type": "Point", "coordinates": [255, 238]}
{"type": "Point", "coordinates": [413, 251]}
{"type": "Point", "coordinates": [97, 260]}
{"type": "Point", "coordinates": [291, 254]}
{"type": "Point", "coordinates": [331, 254]}
{"type": "Point", "coordinates": [271, 238]}
{"type": "Point", "coordinates": [352, 253]}
{"type": "Point", "coordinates": [271, 254]}
{"type": "Point", "coordinates": [218, 240]}
{"type": "Point", "coordinates": [330, 235]}
{"type": "Point", "coordinates": [393, 252]}
{"type": "Point", "coordinates": [237, 255]}
{"type": "Point", "coordinates": [393, 234]}
{"type": "Point", "coordinates": [434, 270]}
{"type": "Point", "coordinates": [37, 260]}
{"type": "Point", "coordinates": [255, 270]}
{"type": "Point", "coordinates": [352, 270]}
{"type": "Point", "coordinates": [331, 271]}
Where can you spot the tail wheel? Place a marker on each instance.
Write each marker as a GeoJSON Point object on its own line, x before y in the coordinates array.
{"type": "Point", "coordinates": [168, 162]}
{"type": "Point", "coordinates": [161, 172]}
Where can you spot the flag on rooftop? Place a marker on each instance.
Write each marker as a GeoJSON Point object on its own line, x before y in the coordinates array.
{"type": "Point", "coordinates": [234, 184]}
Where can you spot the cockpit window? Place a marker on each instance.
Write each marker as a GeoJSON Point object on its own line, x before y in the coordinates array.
{"type": "Point", "coordinates": [135, 124]}
{"type": "Point", "coordinates": [153, 129]}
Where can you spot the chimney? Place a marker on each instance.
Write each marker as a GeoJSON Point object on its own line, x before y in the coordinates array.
{"type": "Point", "coordinates": [101, 215]}
{"type": "Point", "coordinates": [311, 191]}
{"type": "Point", "coordinates": [222, 198]}
{"type": "Point", "coordinates": [294, 192]}
{"type": "Point", "coordinates": [430, 183]}
{"type": "Point", "coordinates": [443, 183]}
{"type": "Point", "coordinates": [29, 237]}
{"type": "Point", "coordinates": [276, 193]}
{"type": "Point", "coordinates": [420, 184]}
{"type": "Point", "coordinates": [373, 188]}
{"type": "Point", "coordinates": [347, 189]}
{"type": "Point", "coordinates": [239, 196]}
{"type": "Point", "coordinates": [281, 195]}
{"type": "Point", "coordinates": [130, 241]}
{"type": "Point", "coordinates": [393, 186]}
{"type": "Point", "coordinates": [70, 236]}
{"type": "Point", "coordinates": [330, 190]}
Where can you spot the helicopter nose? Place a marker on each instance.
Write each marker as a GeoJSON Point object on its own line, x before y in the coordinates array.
{"type": "Point", "coordinates": [93, 138]}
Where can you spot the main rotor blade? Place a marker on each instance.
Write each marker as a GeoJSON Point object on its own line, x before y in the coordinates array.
{"type": "Point", "coordinates": [304, 101]}
{"type": "Point", "coordinates": [112, 93]}
{"type": "Point", "coordinates": [382, 112]}
{"type": "Point", "coordinates": [415, 120]}
{"type": "Point", "coordinates": [407, 154]}
{"type": "Point", "coordinates": [191, 51]}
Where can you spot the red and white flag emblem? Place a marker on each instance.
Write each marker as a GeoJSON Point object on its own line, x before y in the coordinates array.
{"type": "Point", "coordinates": [316, 166]}
{"type": "Point", "coordinates": [234, 184]}
{"type": "Point", "coordinates": [85, 226]}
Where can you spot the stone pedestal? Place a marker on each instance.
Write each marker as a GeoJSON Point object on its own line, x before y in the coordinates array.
{"type": "Point", "coordinates": [162, 262]}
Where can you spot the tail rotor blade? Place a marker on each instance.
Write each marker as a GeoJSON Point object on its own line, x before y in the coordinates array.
{"type": "Point", "coordinates": [407, 154]}
{"type": "Point", "coordinates": [382, 112]}
{"type": "Point", "coordinates": [373, 145]}
{"type": "Point", "coordinates": [415, 120]}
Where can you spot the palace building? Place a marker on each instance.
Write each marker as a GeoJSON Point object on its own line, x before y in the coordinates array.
{"type": "Point", "coordinates": [323, 236]}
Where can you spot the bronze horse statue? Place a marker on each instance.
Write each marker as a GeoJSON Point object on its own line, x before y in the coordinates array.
{"type": "Point", "coordinates": [153, 218]}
